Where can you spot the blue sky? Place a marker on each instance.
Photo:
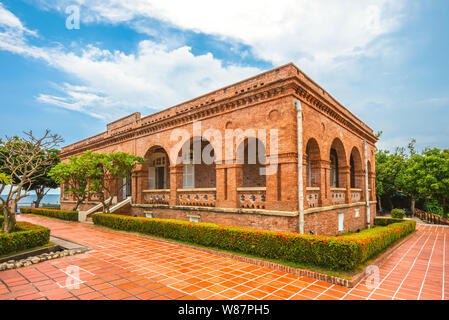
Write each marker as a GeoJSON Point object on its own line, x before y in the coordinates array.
{"type": "Point", "coordinates": [386, 60]}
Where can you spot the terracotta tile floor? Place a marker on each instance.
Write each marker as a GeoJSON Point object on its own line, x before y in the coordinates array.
{"type": "Point", "coordinates": [124, 266]}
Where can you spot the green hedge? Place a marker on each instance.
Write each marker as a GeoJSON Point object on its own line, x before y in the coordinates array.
{"type": "Point", "coordinates": [335, 253]}
{"type": "Point", "coordinates": [386, 221]}
{"type": "Point", "coordinates": [26, 236]}
{"type": "Point", "coordinates": [58, 214]}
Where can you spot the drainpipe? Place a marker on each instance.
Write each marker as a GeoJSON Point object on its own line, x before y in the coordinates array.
{"type": "Point", "coordinates": [300, 174]}
{"type": "Point", "coordinates": [368, 210]}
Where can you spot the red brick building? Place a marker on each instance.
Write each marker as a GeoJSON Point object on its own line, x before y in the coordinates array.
{"type": "Point", "coordinates": [273, 115]}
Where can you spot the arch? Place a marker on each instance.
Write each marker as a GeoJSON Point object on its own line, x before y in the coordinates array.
{"type": "Point", "coordinates": [356, 169]}
{"type": "Point", "coordinates": [312, 158]}
{"type": "Point", "coordinates": [338, 162]}
{"type": "Point", "coordinates": [251, 154]}
{"type": "Point", "coordinates": [158, 166]}
{"type": "Point", "coordinates": [198, 163]}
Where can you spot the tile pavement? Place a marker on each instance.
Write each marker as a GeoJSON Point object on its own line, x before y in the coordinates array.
{"type": "Point", "coordinates": [124, 266]}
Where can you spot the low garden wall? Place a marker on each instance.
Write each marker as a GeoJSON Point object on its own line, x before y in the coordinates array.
{"type": "Point", "coordinates": [334, 253]}
{"type": "Point", "coordinates": [53, 213]}
{"type": "Point", "coordinates": [26, 236]}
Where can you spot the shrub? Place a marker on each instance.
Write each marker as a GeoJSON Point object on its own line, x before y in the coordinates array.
{"type": "Point", "coordinates": [386, 221]}
{"type": "Point", "coordinates": [53, 213]}
{"type": "Point", "coordinates": [397, 214]}
{"type": "Point", "coordinates": [335, 253]}
{"type": "Point", "coordinates": [26, 236]}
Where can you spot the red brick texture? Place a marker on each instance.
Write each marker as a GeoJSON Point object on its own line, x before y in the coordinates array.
{"type": "Point", "coordinates": [265, 102]}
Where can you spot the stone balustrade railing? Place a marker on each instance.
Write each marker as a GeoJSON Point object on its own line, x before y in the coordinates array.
{"type": "Point", "coordinates": [156, 196]}
{"type": "Point", "coordinates": [253, 198]}
{"type": "Point", "coordinates": [338, 195]}
{"type": "Point", "coordinates": [356, 195]}
{"type": "Point", "coordinates": [199, 197]}
{"type": "Point", "coordinates": [312, 197]}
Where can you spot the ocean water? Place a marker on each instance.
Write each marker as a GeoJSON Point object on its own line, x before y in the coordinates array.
{"type": "Point", "coordinates": [48, 199]}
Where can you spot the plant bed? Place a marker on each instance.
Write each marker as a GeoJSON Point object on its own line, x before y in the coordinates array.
{"type": "Point", "coordinates": [345, 253]}
{"type": "Point", "coordinates": [25, 236]}
{"type": "Point", "coordinates": [339, 277]}
{"type": "Point", "coordinates": [58, 248]}
{"type": "Point", "coordinates": [52, 213]}
{"type": "Point", "coordinates": [29, 252]}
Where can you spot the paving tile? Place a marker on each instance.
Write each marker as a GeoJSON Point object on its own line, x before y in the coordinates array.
{"type": "Point", "coordinates": [123, 266]}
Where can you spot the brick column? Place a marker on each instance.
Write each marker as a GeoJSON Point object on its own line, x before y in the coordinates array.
{"type": "Point", "coordinates": [175, 183]}
{"type": "Point", "coordinates": [272, 193]}
{"type": "Point", "coordinates": [345, 172]}
{"type": "Point", "coordinates": [134, 186]}
{"type": "Point", "coordinates": [141, 185]}
{"type": "Point", "coordinates": [360, 181]}
{"type": "Point", "coordinates": [325, 191]}
{"type": "Point", "coordinates": [229, 179]}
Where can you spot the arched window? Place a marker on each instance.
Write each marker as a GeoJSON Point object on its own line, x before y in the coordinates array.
{"type": "Point", "coordinates": [158, 165]}
{"type": "Point", "coordinates": [198, 164]}
{"type": "Point", "coordinates": [334, 174]}
{"type": "Point", "coordinates": [312, 159]}
{"type": "Point", "coordinates": [309, 171]}
{"type": "Point", "coordinates": [353, 181]}
{"type": "Point", "coordinates": [252, 155]}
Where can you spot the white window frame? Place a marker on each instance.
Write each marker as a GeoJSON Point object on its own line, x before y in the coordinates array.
{"type": "Point", "coordinates": [194, 219]}
{"type": "Point", "coordinates": [341, 222]}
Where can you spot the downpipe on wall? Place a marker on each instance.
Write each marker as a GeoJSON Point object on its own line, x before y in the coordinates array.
{"type": "Point", "coordinates": [300, 169]}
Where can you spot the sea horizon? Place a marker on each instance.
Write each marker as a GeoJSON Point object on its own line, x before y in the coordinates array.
{"type": "Point", "coordinates": [48, 199]}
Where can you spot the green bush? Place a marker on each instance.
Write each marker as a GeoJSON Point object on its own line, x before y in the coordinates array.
{"type": "Point", "coordinates": [26, 236]}
{"type": "Point", "coordinates": [335, 253]}
{"type": "Point", "coordinates": [53, 213]}
{"type": "Point", "coordinates": [386, 221]}
{"type": "Point", "coordinates": [397, 214]}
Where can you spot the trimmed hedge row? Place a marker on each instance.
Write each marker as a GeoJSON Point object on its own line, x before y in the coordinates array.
{"type": "Point", "coordinates": [335, 253]}
{"type": "Point", "coordinates": [26, 236]}
{"type": "Point", "coordinates": [58, 214]}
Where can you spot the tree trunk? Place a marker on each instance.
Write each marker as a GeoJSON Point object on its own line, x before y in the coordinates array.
{"type": "Point", "coordinates": [9, 220]}
{"type": "Point", "coordinates": [412, 206]}
{"type": "Point", "coordinates": [379, 201]}
{"type": "Point", "coordinates": [39, 197]}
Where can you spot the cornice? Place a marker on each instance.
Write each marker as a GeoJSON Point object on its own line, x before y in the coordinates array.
{"type": "Point", "coordinates": [292, 85]}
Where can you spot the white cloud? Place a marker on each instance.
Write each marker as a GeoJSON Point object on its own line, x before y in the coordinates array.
{"type": "Point", "coordinates": [114, 84]}
{"type": "Point", "coordinates": [313, 34]}
{"type": "Point", "coordinates": [324, 38]}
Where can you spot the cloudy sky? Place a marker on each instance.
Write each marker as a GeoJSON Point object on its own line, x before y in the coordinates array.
{"type": "Point", "coordinates": [386, 60]}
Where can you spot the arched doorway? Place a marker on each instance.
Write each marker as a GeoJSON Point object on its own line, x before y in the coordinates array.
{"type": "Point", "coordinates": [251, 154]}
{"type": "Point", "coordinates": [158, 169]}
{"type": "Point", "coordinates": [198, 164]}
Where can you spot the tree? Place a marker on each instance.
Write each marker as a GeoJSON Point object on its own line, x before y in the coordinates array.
{"type": "Point", "coordinates": [43, 182]}
{"type": "Point", "coordinates": [95, 173]}
{"type": "Point", "coordinates": [407, 177]}
{"type": "Point", "coordinates": [107, 168]}
{"type": "Point", "coordinates": [20, 160]}
{"type": "Point", "coordinates": [432, 175]}
{"type": "Point", "coordinates": [73, 177]}
{"type": "Point", "coordinates": [388, 169]}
